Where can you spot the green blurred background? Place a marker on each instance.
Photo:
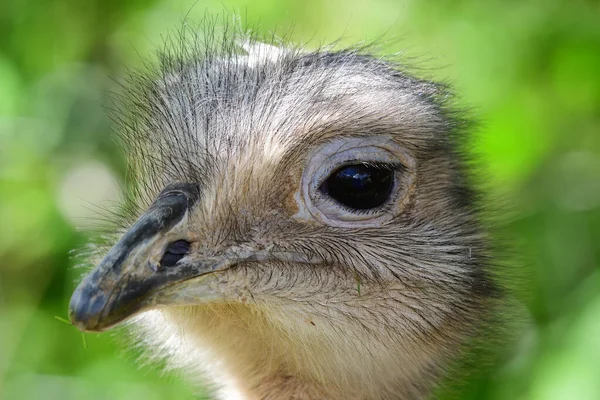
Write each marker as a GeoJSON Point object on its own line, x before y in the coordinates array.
{"type": "Point", "coordinates": [529, 69]}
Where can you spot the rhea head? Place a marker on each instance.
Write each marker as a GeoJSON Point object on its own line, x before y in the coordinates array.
{"type": "Point", "coordinates": [300, 224]}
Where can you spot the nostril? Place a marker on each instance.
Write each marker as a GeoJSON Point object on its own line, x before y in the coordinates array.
{"type": "Point", "coordinates": [174, 252]}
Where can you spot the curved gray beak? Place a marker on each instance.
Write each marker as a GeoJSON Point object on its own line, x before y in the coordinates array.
{"type": "Point", "coordinates": [128, 278]}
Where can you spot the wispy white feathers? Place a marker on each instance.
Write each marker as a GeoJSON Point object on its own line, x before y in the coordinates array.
{"type": "Point", "coordinates": [261, 53]}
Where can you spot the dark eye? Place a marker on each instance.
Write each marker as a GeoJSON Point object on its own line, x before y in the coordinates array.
{"type": "Point", "coordinates": [175, 252]}
{"type": "Point", "coordinates": [360, 186]}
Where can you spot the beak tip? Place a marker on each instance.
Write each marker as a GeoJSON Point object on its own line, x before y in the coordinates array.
{"type": "Point", "coordinates": [85, 310]}
{"type": "Point", "coordinates": [77, 322]}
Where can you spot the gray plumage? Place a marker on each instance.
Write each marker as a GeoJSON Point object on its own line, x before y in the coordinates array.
{"type": "Point", "coordinates": [284, 293]}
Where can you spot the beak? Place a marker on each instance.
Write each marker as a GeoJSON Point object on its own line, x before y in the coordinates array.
{"type": "Point", "coordinates": [131, 278]}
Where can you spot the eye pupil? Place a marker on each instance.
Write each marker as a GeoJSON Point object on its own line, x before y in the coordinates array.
{"type": "Point", "coordinates": [175, 252]}
{"type": "Point", "coordinates": [360, 186]}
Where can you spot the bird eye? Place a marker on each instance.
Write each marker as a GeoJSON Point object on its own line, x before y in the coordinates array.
{"type": "Point", "coordinates": [356, 182]}
{"type": "Point", "coordinates": [175, 251]}
{"type": "Point", "coordinates": [360, 186]}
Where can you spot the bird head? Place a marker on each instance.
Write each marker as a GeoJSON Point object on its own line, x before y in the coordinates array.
{"type": "Point", "coordinates": [315, 199]}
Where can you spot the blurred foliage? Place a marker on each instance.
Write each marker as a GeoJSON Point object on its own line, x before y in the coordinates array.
{"type": "Point", "coordinates": [530, 68]}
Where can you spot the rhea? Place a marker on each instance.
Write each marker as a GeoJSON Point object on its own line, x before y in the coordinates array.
{"type": "Point", "coordinates": [299, 225]}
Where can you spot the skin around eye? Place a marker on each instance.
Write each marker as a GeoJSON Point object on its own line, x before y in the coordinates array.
{"type": "Point", "coordinates": [356, 182]}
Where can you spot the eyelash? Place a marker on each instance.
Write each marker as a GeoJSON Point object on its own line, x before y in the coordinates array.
{"type": "Point", "coordinates": [394, 167]}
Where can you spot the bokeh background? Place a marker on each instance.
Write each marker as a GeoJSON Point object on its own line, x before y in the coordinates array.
{"type": "Point", "coordinates": [529, 69]}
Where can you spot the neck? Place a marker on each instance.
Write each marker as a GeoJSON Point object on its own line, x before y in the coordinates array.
{"type": "Point", "coordinates": [249, 351]}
